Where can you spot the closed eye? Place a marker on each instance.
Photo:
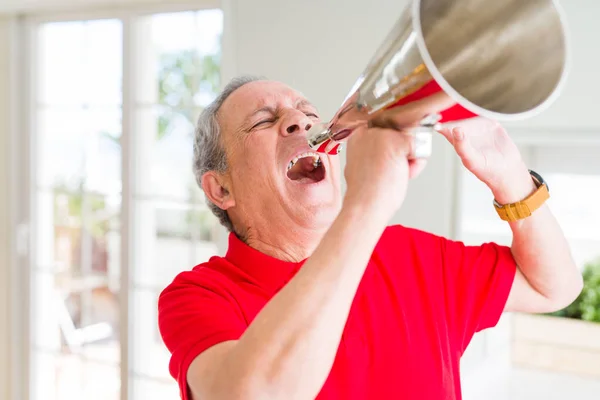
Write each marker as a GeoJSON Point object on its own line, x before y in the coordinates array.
{"type": "Point", "coordinates": [308, 114]}
{"type": "Point", "coordinates": [264, 121]}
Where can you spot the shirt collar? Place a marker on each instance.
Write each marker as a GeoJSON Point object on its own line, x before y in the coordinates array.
{"type": "Point", "coordinates": [269, 272]}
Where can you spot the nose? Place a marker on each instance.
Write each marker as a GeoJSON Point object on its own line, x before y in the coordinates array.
{"type": "Point", "coordinates": [296, 123]}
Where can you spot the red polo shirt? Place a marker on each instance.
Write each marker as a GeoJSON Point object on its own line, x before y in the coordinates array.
{"type": "Point", "coordinates": [419, 303]}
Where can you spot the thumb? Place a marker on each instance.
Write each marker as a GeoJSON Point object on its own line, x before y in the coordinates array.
{"type": "Point", "coordinates": [463, 147]}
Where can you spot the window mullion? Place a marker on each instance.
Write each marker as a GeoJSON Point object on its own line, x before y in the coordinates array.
{"type": "Point", "coordinates": [127, 203]}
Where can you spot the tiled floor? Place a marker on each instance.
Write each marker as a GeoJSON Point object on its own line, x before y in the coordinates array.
{"type": "Point", "coordinates": [524, 384]}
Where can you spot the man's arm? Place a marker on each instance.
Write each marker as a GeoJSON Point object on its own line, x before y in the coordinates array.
{"type": "Point", "coordinates": [547, 278]}
{"type": "Point", "coordinates": [288, 350]}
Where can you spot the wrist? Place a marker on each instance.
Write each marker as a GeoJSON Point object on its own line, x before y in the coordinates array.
{"type": "Point", "coordinates": [517, 187]}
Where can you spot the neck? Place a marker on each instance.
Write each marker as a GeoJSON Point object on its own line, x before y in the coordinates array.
{"type": "Point", "coordinates": [292, 245]}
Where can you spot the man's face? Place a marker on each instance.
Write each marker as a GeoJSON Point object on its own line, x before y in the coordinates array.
{"type": "Point", "coordinates": [273, 174]}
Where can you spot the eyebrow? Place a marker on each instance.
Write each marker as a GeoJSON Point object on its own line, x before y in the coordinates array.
{"type": "Point", "coordinates": [273, 110]}
{"type": "Point", "coordinates": [304, 102]}
{"type": "Point", "coordinates": [268, 109]}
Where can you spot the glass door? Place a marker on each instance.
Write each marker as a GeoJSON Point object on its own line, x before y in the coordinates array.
{"type": "Point", "coordinates": [108, 238]}
{"type": "Point", "coordinates": [77, 170]}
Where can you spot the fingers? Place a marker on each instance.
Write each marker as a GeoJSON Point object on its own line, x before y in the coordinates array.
{"type": "Point", "coordinates": [469, 127]}
{"type": "Point", "coordinates": [411, 114]}
{"type": "Point", "coordinates": [456, 136]}
{"type": "Point", "coordinates": [404, 145]}
{"type": "Point", "coordinates": [447, 133]}
{"type": "Point", "coordinates": [408, 145]}
{"type": "Point", "coordinates": [462, 146]}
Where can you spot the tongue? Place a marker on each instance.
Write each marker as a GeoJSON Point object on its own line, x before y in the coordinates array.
{"type": "Point", "coordinates": [304, 171]}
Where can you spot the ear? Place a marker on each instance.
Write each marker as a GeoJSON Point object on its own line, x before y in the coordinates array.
{"type": "Point", "coordinates": [215, 188]}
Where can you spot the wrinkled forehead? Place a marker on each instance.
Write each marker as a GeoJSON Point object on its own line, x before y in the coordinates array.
{"type": "Point", "coordinates": [253, 96]}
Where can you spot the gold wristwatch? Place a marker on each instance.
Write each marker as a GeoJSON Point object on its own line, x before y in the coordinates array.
{"type": "Point", "coordinates": [524, 208]}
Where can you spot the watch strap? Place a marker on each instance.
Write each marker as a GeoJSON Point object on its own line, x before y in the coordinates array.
{"type": "Point", "coordinates": [524, 208]}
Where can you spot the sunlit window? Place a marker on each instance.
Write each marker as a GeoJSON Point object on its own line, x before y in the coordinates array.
{"type": "Point", "coordinates": [573, 176]}
{"type": "Point", "coordinates": [78, 155]}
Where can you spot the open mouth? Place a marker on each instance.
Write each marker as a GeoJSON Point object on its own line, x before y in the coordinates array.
{"type": "Point", "coordinates": [306, 168]}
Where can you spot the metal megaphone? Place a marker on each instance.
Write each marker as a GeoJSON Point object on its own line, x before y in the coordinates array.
{"type": "Point", "coordinates": [499, 59]}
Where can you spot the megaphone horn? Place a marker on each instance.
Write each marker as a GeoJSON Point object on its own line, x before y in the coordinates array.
{"type": "Point", "coordinates": [499, 59]}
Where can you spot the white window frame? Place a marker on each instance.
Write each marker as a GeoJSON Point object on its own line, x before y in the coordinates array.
{"type": "Point", "coordinates": [22, 172]}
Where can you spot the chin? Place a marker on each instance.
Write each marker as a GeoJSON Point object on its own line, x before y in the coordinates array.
{"type": "Point", "coordinates": [315, 206]}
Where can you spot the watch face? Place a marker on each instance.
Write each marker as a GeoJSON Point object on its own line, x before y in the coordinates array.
{"type": "Point", "coordinates": [539, 178]}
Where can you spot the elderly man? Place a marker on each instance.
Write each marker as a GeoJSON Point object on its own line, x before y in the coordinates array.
{"type": "Point", "coordinates": [317, 297]}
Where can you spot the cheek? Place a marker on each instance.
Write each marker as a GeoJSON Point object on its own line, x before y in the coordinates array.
{"type": "Point", "coordinates": [257, 162]}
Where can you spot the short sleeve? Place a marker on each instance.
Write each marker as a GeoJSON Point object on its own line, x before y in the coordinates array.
{"type": "Point", "coordinates": [478, 281]}
{"type": "Point", "coordinates": [193, 317]}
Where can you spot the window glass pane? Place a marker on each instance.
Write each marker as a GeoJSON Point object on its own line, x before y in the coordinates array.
{"type": "Point", "coordinates": [75, 316]}
{"type": "Point", "coordinates": [152, 357]}
{"type": "Point", "coordinates": [69, 377]}
{"type": "Point", "coordinates": [574, 202]}
{"type": "Point", "coordinates": [78, 230]}
{"type": "Point", "coordinates": [151, 389]}
{"type": "Point", "coordinates": [75, 277]}
{"type": "Point", "coordinates": [61, 73]}
{"type": "Point", "coordinates": [186, 54]}
{"type": "Point", "coordinates": [165, 151]}
{"type": "Point", "coordinates": [187, 59]}
{"type": "Point", "coordinates": [78, 148]}
{"type": "Point", "coordinates": [56, 377]}
{"type": "Point", "coordinates": [103, 65]}
{"type": "Point", "coordinates": [75, 304]}
{"type": "Point", "coordinates": [48, 310]}
{"type": "Point", "coordinates": [170, 238]}
{"type": "Point", "coordinates": [101, 382]}
{"type": "Point", "coordinates": [80, 62]}
{"type": "Point", "coordinates": [60, 147]}
{"type": "Point", "coordinates": [103, 151]}
{"type": "Point", "coordinates": [478, 219]}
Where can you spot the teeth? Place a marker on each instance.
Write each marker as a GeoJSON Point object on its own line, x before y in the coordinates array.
{"type": "Point", "coordinates": [315, 156]}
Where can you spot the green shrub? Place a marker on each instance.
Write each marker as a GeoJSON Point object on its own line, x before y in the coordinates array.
{"type": "Point", "coordinates": [587, 304]}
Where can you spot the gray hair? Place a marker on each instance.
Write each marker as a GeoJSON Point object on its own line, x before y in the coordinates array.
{"type": "Point", "coordinates": [209, 154]}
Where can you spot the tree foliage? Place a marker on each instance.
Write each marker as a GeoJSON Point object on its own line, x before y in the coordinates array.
{"type": "Point", "coordinates": [184, 79]}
